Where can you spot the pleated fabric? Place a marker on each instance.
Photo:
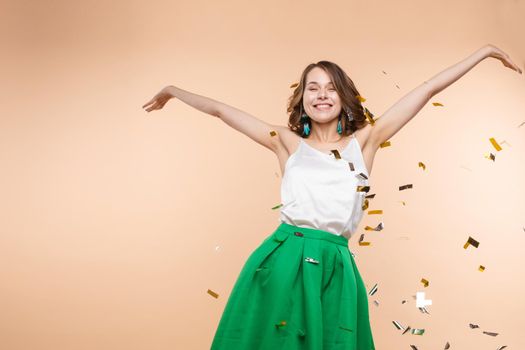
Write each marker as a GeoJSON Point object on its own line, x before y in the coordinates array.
{"type": "Point", "coordinates": [300, 289]}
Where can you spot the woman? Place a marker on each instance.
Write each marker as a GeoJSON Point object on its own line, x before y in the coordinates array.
{"type": "Point", "coordinates": [301, 288]}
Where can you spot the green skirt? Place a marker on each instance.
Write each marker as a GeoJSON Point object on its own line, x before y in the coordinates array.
{"type": "Point", "coordinates": [300, 289]}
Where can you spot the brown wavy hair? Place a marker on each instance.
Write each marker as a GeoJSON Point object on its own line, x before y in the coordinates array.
{"type": "Point", "coordinates": [345, 89]}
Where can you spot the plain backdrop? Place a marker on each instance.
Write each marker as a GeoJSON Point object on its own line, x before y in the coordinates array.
{"type": "Point", "coordinates": [115, 222]}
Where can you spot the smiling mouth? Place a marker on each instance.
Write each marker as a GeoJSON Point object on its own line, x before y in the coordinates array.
{"type": "Point", "coordinates": [322, 106]}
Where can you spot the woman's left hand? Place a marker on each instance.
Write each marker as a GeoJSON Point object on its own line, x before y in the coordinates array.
{"type": "Point", "coordinates": [493, 51]}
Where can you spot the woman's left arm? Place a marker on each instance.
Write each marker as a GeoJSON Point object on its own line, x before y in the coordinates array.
{"type": "Point", "coordinates": [409, 105]}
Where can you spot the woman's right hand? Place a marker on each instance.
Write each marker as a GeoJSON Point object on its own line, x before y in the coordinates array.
{"type": "Point", "coordinates": [159, 100]}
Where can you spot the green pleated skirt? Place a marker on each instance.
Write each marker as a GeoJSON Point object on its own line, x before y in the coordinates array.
{"type": "Point", "coordinates": [300, 289]}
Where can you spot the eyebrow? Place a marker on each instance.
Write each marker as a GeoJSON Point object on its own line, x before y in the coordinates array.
{"type": "Point", "coordinates": [314, 82]}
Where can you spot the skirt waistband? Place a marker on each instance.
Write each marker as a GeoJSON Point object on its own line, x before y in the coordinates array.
{"type": "Point", "coordinates": [308, 232]}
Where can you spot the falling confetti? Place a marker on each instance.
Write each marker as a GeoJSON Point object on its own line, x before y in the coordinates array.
{"type": "Point", "coordinates": [447, 346]}
{"type": "Point", "coordinates": [421, 165]}
{"type": "Point", "coordinates": [378, 228]}
{"type": "Point", "coordinates": [398, 325]}
{"type": "Point", "coordinates": [472, 326]}
{"type": "Point", "coordinates": [418, 331]}
{"type": "Point", "coordinates": [361, 243]}
{"type": "Point", "coordinates": [491, 156]}
{"type": "Point", "coordinates": [294, 85]}
{"type": "Point", "coordinates": [471, 241]}
{"type": "Point", "coordinates": [372, 212]}
{"type": "Point", "coordinates": [351, 165]}
{"type": "Point", "coordinates": [365, 205]}
{"type": "Point", "coordinates": [376, 302]}
{"type": "Point", "coordinates": [437, 104]}
{"type": "Point", "coordinates": [360, 98]}
{"type": "Point", "coordinates": [385, 144]}
{"type": "Point", "coordinates": [373, 290]}
{"type": "Point", "coordinates": [481, 268]}
{"type": "Point", "coordinates": [495, 144]}
{"type": "Point", "coordinates": [404, 187]}
{"type": "Point", "coordinates": [492, 334]}
{"type": "Point", "coordinates": [277, 206]}
{"type": "Point", "coordinates": [213, 294]}
{"type": "Point", "coordinates": [425, 282]}
{"type": "Point", "coordinates": [363, 189]}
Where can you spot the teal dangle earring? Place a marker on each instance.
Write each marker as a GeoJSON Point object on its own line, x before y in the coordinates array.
{"type": "Point", "coordinates": [350, 118]}
{"type": "Point", "coordinates": [306, 127]}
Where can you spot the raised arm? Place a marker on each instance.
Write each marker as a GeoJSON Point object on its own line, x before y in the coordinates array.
{"type": "Point", "coordinates": [254, 128]}
{"type": "Point", "coordinates": [409, 105]}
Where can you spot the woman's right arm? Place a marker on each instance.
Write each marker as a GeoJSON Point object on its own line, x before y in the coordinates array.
{"type": "Point", "coordinates": [254, 128]}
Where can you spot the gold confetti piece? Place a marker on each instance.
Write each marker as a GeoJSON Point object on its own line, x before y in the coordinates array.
{"type": "Point", "coordinates": [437, 104]}
{"type": "Point", "coordinates": [471, 241]}
{"type": "Point", "coordinates": [421, 165]}
{"type": "Point", "coordinates": [425, 282]}
{"type": "Point", "coordinates": [385, 144]}
{"type": "Point", "coordinates": [373, 195]}
{"type": "Point", "coordinates": [282, 324]}
{"type": "Point", "coordinates": [336, 154]}
{"type": "Point", "coordinates": [401, 188]}
{"type": "Point", "coordinates": [277, 206]}
{"type": "Point", "coordinates": [365, 205]}
{"type": "Point", "coordinates": [472, 326]}
{"type": "Point", "coordinates": [376, 302]}
{"type": "Point", "coordinates": [294, 85]}
{"type": "Point", "coordinates": [372, 212]}
{"type": "Point", "coordinates": [273, 133]}
{"type": "Point", "coordinates": [519, 126]}
{"type": "Point", "coordinates": [414, 347]}
{"type": "Point", "coordinates": [213, 294]}
{"type": "Point", "coordinates": [502, 347]}
{"type": "Point", "coordinates": [360, 98]}
{"type": "Point", "coordinates": [363, 188]}
{"type": "Point", "coordinates": [406, 330]}
{"type": "Point", "coordinates": [418, 331]}
{"type": "Point", "coordinates": [377, 228]}
{"type": "Point", "coordinates": [481, 268]}
{"type": "Point", "coordinates": [491, 156]}
{"type": "Point", "coordinates": [447, 346]}
{"type": "Point", "coordinates": [495, 144]}
{"type": "Point", "coordinates": [351, 165]}
{"type": "Point", "coordinates": [398, 325]}
{"type": "Point", "coordinates": [361, 243]}
{"type": "Point", "coordinates": [369, 116]}
{"type": "Point", "coordinates": [403, 301]}
{"type": "Point", "coordinates": [403, 202]}
{"type": "Point", "coordinates": [490, 333]}
{"type": "Point", "coordinates": [373, 290]}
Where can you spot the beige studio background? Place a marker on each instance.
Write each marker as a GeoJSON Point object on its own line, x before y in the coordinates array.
{"type": "Point", "coordinates": [116, 222]}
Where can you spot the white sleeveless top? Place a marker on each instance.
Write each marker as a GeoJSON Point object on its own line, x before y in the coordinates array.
{"type": "Point", "coordinates": [320, 191]}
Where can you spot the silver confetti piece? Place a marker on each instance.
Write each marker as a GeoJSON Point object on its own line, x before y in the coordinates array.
{"type": "Point", "coordinates": [398, 325]}
{"type": "Point", "coordinates": [311, 260]}
{"type": "Point", "coordinates": [418, 331]}
{"type": "Point", "coordinates": [373, 290]}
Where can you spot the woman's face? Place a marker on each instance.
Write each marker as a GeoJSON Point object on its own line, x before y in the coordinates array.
{"type": "Point", "coordinates": [320, 99]}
